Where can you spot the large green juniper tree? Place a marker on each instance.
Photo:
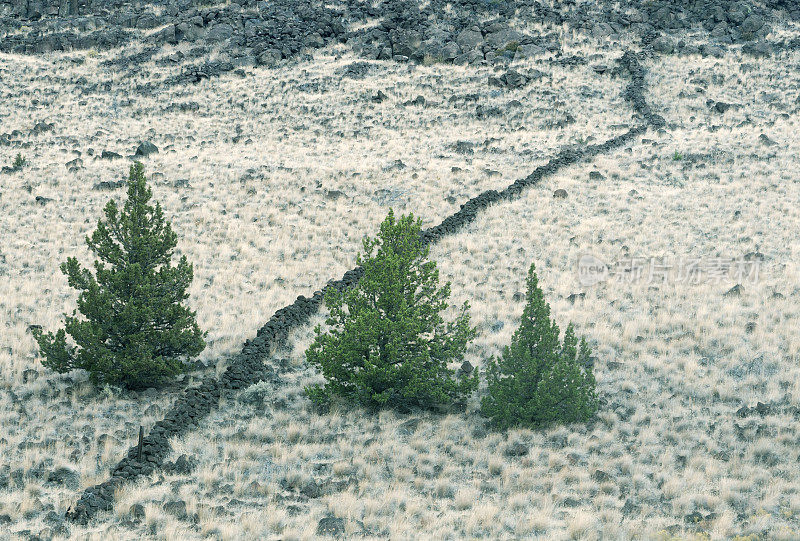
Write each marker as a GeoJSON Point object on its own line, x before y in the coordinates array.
{"type": "Point", "coordinates": [388, 345]}
{"type": "Point", "coordinates": [133, 332]}
{"type": "Point", "coordinates": [540, 381]}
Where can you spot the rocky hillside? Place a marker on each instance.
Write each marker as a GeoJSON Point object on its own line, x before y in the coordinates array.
{"type": "Point", "coordinates": [463, 31]}
{"type": "Point", "coordinates": [276, 134]}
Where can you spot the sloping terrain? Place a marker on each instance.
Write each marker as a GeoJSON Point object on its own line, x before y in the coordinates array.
{"type": "Point", "coordinates": [672, 455]}
{"type": "Point", "coordinates": [272, 176]}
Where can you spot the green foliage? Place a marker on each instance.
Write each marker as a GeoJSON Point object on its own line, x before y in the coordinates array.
{"type": "Point", "coordinates": [388, 345]}
{"type": "Point", "coordinates": [677, 156]}
{"type": "Point", "coordinates": [540, 381]}
{"type": "Point", "coordinates": [134, 331]}
{"type": "Point", "coordinates": [19, 162]}
{"type": "Point", "coordinates": [429, 60]}
{"type": "Point", "coordinates": [511, 46]}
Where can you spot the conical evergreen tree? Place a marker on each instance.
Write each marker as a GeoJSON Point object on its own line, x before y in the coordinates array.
{"type": "Point", "coordinates": [388, 345]}
{"type": "Point", "coordinates": [134, 331]}
{"type": "Point", "coordinates": [539, 381]}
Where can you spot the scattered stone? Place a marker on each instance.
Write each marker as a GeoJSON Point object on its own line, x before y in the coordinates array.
{"type": "Point", "coordinates": [42, 200]}
{"type": "Point", "coordinates": [41, 127]}
{"type": "Point", "coordinates": [357, 70]}
{"type": "Point", "coordinates": [146, 148]}
{"type": "Point", "coordinates": [663, 45]}
{"type": "Point", "coordinates": [596, 175]}
{"type": "Point", "coordinates": [177, 509]}
{"type": "Point", "coordinates": [311, 490]}
{"type": "Point", "coordinates": [57, 523]}
{"type": "Point", "coordinates": [109, 185]}
{"type": "Point", "coordinates": [530, 50]}
{"type": "Point", "coordinates": [183, 465]}
{"type": "Point", "coordinates": [470, 57]}
{"type": "Point", "coordinates": [332, 526]}
{"type": "Point", "coordinates": [379, 97]}
{"type": "Point", "coordinates": [694, 517]}
{"type": "Point", "coordinates": [721, 107]}
{"type": "Point", "coordinates": [469, 39]}
{"type": "Point", "coordinates": [333, 195]}
{"type": "Point", "coordinates": [572, 297]}
{"type": "Point", "coordinates": [396, 165]}
{"type": "Point", "coordinates": [735, 291]}
{"type": "Point", "coordinates": [464, 147]}
{"type": "Point", "coordinates": [629, 507]}
{"type": "Point", "coordinates": [109, 155]}
{"type": "Point", "coordinates": [713, 50]}
{"type": "Point", "coordinates": [513, 79]}
{"type": "Point", "coordinates": [268, 58]}
{"type": "Point", "coordinates": [483, 111]}
{"type": "Point", "coordinates": [760, 49]}
{"type": "Point", "coordinates": [560, 194]}
{"type": "Point", "coordinates": [600, 476]}
{"type": "Point", "coordinates": [74, 165]}
{"type": "Point", "coordinates": [766, 141]}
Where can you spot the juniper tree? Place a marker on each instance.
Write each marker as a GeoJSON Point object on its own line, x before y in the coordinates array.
{"type": "Point", "coordinates": [19, 162]}
{"type": "Point", "coordinates": [132, 329]}
{"type": "Point", "coordinates": [388, 345]}
{"type": "Point", "coordinates": [540, 381]}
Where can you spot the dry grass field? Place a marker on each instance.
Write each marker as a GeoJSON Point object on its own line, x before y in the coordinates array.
{"type": "Point", "coordinates": [272, 180]}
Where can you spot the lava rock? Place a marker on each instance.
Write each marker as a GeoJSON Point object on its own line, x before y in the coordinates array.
{"type": "Point", "coordinates": [109, 155]}
{"type": "Point", "coordinates": [759, 49]}
{"type": "Point", "coordinates": [766, 141]}
{"type": "Point", "coordinates": [663, 45]}
{"type": "Point", "coordinates": [177, 509]}
{"type": "Point", "coordinates": [735, 291]}
{"type": "Point", "coordinates": [146, 148]}
{"type": "Point", "coordinates": [332, 526]}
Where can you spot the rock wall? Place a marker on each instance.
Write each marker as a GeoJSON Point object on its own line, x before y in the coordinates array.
{"type": "Point", "coordinates": [34, 10]}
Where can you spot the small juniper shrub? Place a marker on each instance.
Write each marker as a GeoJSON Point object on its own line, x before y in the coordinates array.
{"type": "Point", "coordinates": [388, 345]}
{"type": "Point", "coordinates": [19, 162]}
{"type": "Point", "coordinates": [133, 332]}
{"type": "Point", "coordinates": [540, 381]}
